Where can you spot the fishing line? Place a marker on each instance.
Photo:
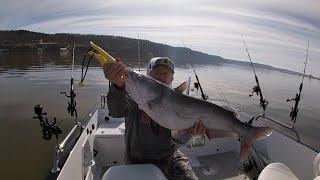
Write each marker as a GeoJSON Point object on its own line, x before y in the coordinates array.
{"type": "Point", "coordinates": [83, 61]}
{"type": "Point", "coordinates": [139, 51]}
{"type": "Point", "coordinates": [83, 75]}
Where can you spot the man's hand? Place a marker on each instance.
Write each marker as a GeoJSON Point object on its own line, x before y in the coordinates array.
{"type": "Point", "coordinates": [198, 128]}
{"type": "Point", "coordinates": [114, 72]}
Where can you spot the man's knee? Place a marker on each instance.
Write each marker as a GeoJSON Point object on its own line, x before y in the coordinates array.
{"type": "Point", "coordinates": [183, 170]}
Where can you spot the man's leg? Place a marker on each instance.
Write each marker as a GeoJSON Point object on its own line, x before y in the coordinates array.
{"type": "Point", "coordinates": [177, 167]}
{"type": "Point", "coordinates": [182, 168]}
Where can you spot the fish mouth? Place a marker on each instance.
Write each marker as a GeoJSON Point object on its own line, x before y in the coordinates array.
{"type": "Point", "coordinates": [130, 79]}
{"type": "Point", "coordinates": [137, 87]}
{"type": "Point", "coordinates": [132, 86]}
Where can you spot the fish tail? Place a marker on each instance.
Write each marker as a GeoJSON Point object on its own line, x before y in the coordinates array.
{"type": "Point", "coordinates": [255, 133]}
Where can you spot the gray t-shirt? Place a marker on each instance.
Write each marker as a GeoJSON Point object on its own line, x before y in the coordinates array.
{"type": "Point", "coordinates": [145, 139]}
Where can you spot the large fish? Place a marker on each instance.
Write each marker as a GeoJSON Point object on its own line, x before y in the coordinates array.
{"type": "Point", "coordinates": [176, 111]}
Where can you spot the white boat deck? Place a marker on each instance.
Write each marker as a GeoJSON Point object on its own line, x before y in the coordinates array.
{"type": "Point", "coordinates": [217, 159]}
{"type": "Point", "coordinates": [219, 166]}
{"type": "Point", "coordinates": [223, 164]}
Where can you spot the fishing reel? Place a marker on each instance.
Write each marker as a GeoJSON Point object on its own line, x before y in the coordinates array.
{"type": "Point", "coordinates": [297, 98]}
{"type": "Point", "coordinates": [197, 86]}
{"type": "Point", "coordinates": [255, 89]}
{"type": "Point", "coordinates": [263, 101]}
{"type": "Point", "coordinates": [72, 103]}
{"type": "Point", "coordinates": [295, 109]}
{"type": "Point", "coordinates": [48, 128]}
{"type": "Point", "coordinates": [204, 96]}
{"type": "Point", "coordinates": [293, 114]}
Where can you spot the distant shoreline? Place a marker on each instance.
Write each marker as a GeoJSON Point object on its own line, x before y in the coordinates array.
{"type": "Point", "coordinates": [125, 48]}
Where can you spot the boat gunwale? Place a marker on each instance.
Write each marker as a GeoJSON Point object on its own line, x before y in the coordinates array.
{"type": "Point", "coordinates": [69, 143]}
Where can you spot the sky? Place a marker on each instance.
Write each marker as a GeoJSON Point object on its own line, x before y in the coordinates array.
{"type": "Point", "coordinates": [276, 32]}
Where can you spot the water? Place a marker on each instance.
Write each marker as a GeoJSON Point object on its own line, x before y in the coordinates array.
{"type": "Point", "coordinates": [30, 79]}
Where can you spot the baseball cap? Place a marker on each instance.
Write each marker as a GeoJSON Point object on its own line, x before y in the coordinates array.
{"type": "Point", "coordinates": [159, 61]}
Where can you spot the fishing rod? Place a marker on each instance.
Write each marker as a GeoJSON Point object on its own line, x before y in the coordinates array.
{"type": "Point", "coordinates": [139, 51]}
{"type": "Point", "coordinates": [295, 109]}
{"type": "Point", "coordinates": [72, 110]}
{"type": "Point", "coordinates": [256, 89]}
{"type": "Point", "coordinates": [197, 85]}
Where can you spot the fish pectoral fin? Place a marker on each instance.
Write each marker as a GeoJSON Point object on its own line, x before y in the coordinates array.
{"type": "Point", "coordinates": [182, 87]}
{"type": "Point", "coordinates": [213, 133]}
{"type": "Point", "coordinates": [255, 133]}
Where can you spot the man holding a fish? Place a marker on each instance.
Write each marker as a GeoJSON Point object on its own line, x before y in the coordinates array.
{"type": "Point", "coordinates": [147, 141]}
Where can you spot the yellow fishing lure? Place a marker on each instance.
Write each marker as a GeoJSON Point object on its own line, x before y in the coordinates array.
{"type": "Point", "coordinates": [101, 54]}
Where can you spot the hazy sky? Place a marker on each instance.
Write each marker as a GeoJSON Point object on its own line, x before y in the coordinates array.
{"type": "Point", "coordinates": [276, 32]}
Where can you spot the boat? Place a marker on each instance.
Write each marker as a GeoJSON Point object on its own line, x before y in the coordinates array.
{"type": "Point", "coordinates": [94, 150]}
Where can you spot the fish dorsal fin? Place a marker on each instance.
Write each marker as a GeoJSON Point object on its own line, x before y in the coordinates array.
{"type": "Point", "coordinates": [182, 87]}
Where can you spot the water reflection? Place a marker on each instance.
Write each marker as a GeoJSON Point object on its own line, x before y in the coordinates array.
{"type": "Point", "coordinates": [28, 79]}
{"type": "Point", "coordinates": [236, 82]}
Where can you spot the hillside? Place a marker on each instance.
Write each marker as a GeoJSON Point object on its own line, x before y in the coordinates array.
{"type": "Point", "coordinates": [125, 48]}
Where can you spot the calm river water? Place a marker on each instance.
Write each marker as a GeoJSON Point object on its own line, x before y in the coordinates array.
{"type": "Point", "coordinates": [30, 79]}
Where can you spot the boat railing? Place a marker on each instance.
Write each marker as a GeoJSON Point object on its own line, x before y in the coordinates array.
{"type": "Point", "coordinates": [63, 149]}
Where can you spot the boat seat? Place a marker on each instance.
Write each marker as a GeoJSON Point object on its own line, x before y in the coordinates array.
{"type": "Point", "coordinates": [277, 171]}
{"type": "Point", "coordinates": [134, 172]}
